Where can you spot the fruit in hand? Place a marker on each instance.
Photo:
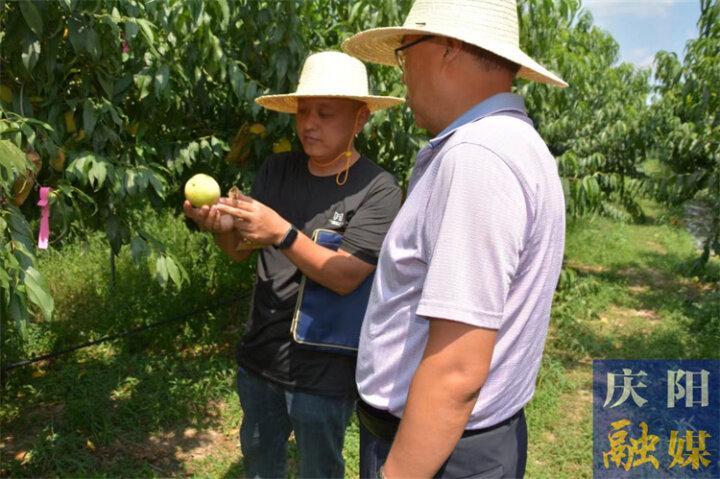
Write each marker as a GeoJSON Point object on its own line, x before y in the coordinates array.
{"type": "Point", "coordinates": [202, 190]}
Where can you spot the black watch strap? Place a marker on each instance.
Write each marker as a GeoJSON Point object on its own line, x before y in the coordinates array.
{"type": "Point", "coordinates": [289, 238]}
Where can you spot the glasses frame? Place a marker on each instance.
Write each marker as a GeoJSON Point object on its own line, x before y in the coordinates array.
{"type": "Point", "coordinates": [399, 51]}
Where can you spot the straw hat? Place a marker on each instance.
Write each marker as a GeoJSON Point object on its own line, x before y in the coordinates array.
{"type": "Point", "coordinates": [332, 75]}
{"type": "Point", "coordinates": [488, 24]}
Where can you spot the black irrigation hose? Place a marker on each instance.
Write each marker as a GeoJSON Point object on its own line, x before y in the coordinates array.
{"type": "Point", "coordinates": [111, 337]}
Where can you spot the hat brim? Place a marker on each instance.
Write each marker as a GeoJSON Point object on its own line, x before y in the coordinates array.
{"type": "Point", "coordinates": [288, 103]}
{"type": "Point", "coordinates": [378, 45]}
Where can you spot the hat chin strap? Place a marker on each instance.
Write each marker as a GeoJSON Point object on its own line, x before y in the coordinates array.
{"type": "Point", "coordinates": [347, 154]}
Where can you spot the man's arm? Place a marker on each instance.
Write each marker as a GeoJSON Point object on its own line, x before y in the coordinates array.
{"type": "Point", "coordinates": [473, 235]}
{"type": "Point", "coordinates": [338, 271]}
{"type": "Point", "coordinates": [442, 394]}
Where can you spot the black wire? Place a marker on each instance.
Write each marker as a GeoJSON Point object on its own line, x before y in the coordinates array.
{"type": "Point", "coordinates": [129, 332]}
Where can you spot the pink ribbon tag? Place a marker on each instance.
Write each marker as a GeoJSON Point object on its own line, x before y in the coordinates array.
{"type": "Point", "coordinates": [44, 205]}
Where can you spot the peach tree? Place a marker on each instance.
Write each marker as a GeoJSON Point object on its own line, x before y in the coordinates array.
{"type": "Point", "coordinates": [685, 125]}
{"type": "Point", "coordinates": [595, 127]}
{"type": "Point", "coordinates": [115, 103]}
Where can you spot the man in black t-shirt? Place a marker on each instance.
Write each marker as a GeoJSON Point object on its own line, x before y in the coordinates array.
{"type": "Point", "coordinates": [283, 387]}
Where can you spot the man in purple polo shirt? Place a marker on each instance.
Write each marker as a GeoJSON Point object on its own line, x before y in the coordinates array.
{"type": "Point", "coordinates": [453, 337]}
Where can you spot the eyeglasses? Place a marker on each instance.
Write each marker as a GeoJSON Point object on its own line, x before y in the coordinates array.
{"type": "Point", "coordinates": [400, 54]}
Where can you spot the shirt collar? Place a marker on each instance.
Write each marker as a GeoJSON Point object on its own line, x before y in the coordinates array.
{"type": "Point", "coordinates": [487, 107]}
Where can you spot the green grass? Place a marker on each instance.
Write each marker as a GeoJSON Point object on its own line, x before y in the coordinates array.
{"type": "Point", "coordinates": [162, 403]}
{"type": "Point", "coordinates": [627, 292]}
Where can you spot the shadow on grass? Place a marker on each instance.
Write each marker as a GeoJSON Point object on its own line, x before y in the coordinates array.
{"type": "Point", "coordinates": [142, 406]}
{"type": "Point", "coordinates": [656, 285]}
{"type": "Point", "coordinates": [150, 404]}
{"type": "Point", "coordinates": [234, 471]}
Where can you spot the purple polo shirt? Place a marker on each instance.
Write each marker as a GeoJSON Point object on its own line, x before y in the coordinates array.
{"type": "Point", "coordinates": [479, 240]}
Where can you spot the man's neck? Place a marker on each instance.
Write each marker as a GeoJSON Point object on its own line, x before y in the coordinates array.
{"type": "Point", "coordinates": [456, 105]}
{"type": "Point", "coordinates": [329, 167]}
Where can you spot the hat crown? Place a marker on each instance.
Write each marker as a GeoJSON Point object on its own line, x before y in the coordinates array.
{"type": "Point", "coordinates": [494, 20]}
{"type": "Point", "coordinates": [489, 24]}
{"type": "Point", "coordinates": [332, 74]}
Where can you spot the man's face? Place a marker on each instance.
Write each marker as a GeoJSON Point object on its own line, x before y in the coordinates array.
{"type": "Point", "coordinates": [420, 63]}
{"type": "Point", "coordinates": [325, 125]}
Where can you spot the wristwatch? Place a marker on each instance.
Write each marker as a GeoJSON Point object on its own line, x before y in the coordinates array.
{"type": "Point", "coordinates": [289, 238]}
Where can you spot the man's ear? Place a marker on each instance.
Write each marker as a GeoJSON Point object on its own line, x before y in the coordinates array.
{"type": "Point", "coordinates": [453, 48]}
{"type": "Point", "coordinates": [363, 115]}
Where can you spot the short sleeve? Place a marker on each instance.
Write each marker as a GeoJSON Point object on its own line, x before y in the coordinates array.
{"type": "Point", "coordinates": [366, 230]}
{"type": "Point", "coordinates": [477, 216]}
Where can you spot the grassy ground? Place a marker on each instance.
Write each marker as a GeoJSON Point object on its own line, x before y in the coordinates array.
{"type": "Point", "coordinates": [162, 403]}
{"type": "Point", "coordinates": [627, 293]}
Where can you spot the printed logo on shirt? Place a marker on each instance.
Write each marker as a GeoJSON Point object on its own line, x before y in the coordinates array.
{"type": "Point", "coordinates": [337, 219]}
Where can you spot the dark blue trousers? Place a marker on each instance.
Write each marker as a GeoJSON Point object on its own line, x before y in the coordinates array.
{"type": "Point", "coordinates": [498, 453]}
{"type": "Point", "coordinates": [271, 412]}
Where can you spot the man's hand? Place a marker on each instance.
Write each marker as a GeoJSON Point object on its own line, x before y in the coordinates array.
{"type": "Point", "coordinates": [254, 221]}
{"type": "Point", "coordinates": [209, 218]}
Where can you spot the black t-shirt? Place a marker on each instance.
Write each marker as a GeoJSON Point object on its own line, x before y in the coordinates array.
{"type": "Point", "coordinates": [362, 210]}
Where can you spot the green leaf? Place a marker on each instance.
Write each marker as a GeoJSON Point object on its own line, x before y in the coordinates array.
{"type": "Point", "coordinates": [97, 174]}
{"type": "Point", "coordinates": [161, 271]}
{"type": "Point", "coordinates": [89, 118]}
{"type": "Point", "coordinates": [141, 180]}
{"type": "Point", "coordinates": [114, 115]}
{"type": "Point", "coordinates": [143, 82]}
{"type": "Point", "coordinates": [158, 183]}
{"type": "Point", "coordinates": [50, 57]}
{"type": "Point", "coordinates": [18, 312]}
{"type": "Point", "coordinates": [13, 158]}
{"type": "Point", "coordinates": [4, 278]}
{"type": "Point", "coordinates": [174, 272]}
{"type": "Point", "coordinates": [237, 79]}
{"type": "Point", "coordinates": [42, 124]}
{"type": "Point", "coordinates": [146, 28]}
{"type": "Point", "coordinates": [162, 77]}
{"type": "Point", "coordinates": [77, 34]}
{"type": "Point", "coordinates": [129, 182]}
{"type": "Point", "coordinates": [106, 83]}
{"type": "Point", "coordinates": [131, 29]}
{"type": "Point", "coordinates": [69, 4]}
{"type": "Point", "coordinates": [139, 249]}
{"type": "Point", "coordinates": [22, 235]}
{"type": "Point", "coordinates": [29, 133]}
{"type": "Point", "coordinates": [80, 166]}
{"type": "Point", "coordinates": [30, 52]}
{"type": "Point", "coordinates": [32, 16]}
{"type": "Point", "coordinates": [225, 9]}
{"type": "Point", "coordinates": [38, 292]}
{"type": "Point", "coordinates": [92, 43]}
{"type": "Point", "coordinates": [251, 91]}
{"type": "Point", "coordinates": [281, 65]}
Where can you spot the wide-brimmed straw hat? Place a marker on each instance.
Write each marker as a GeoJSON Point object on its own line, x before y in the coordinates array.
{"type": "Point", "coordinates": [331, 75]}
{"type": "Point", "coordinates": [489, 24]}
